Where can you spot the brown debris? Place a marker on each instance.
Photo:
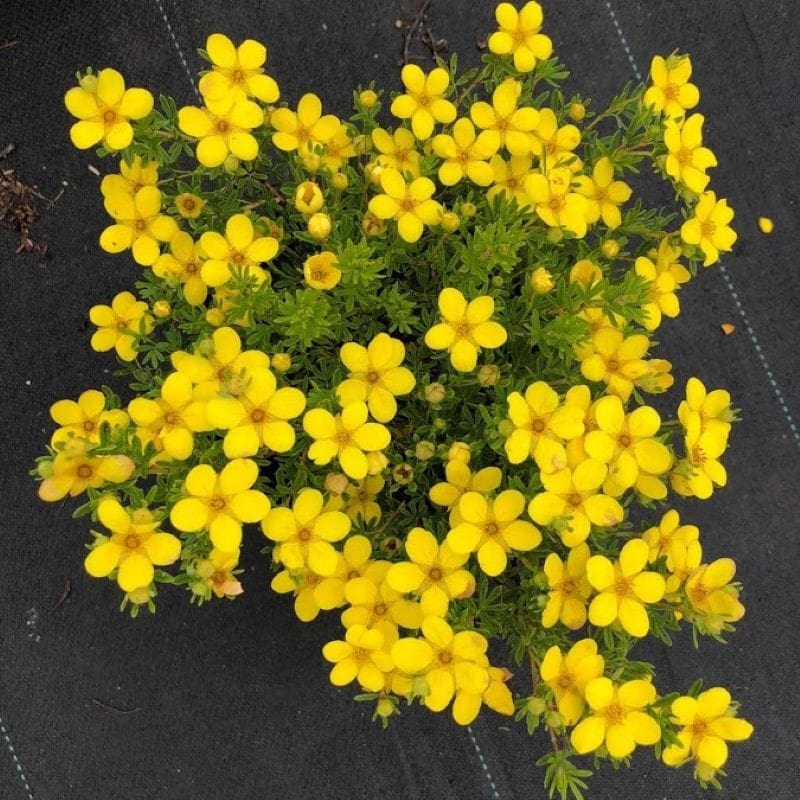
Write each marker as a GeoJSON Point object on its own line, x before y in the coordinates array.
{"type": "Point", "coordinates": [727, 328]}
{"type": "Point", "coordinates": [20, 206]}
{"type": "Point", "coordinates": [417, 29]}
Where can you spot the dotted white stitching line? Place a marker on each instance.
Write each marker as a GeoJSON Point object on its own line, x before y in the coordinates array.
{"type": "Point", "coordinates": [624, 42]}
{"type": "Point", "coordinates": [495, 793]}
{"type": "Point", "coordinates": [761, 357]}
{"type": "Point", "coordinates": [178, 48]}
{"type": "Point", "coordinates": [725, 276]}
{"type": "Point", "coordinates": [14, 758]}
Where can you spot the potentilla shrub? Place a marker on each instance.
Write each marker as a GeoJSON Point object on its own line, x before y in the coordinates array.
{"type": "Point", "coordinates": [415, 351]}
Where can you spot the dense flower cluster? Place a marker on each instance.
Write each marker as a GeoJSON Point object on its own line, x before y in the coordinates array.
{"type": "Point", "coordinates": [417, 356]}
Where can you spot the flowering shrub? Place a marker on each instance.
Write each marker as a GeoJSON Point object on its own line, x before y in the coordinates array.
{"type": "Point", "coordinates": [419, 357]}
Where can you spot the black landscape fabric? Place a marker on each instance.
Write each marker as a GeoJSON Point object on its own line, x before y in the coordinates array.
{"type": "Point", "coordinates": [232, 700]}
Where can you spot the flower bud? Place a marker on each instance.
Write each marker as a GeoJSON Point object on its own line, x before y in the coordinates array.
{"type": "Point", "coordinates": [319, 226]}
{"type": "Point", "coordinates": [271, 227]}
{"type": "Point", "coordinates": [362, 144]}
{"type": "Point", "coordinates": [468, 209]}
{"type": "Point", "coordinates": [308, 198]}
{"type": "Point", "coordinates": [89, 83]}
{"type": "Point", "coordinates": [555, 721]}
{"type": "Point", "coordinates": [610, 248]}
{"type": "Point", "coordinates": [336, 483]}
{"type": "Point", "coordinates": [368, 98]}
{"type": "Point", "coordinates": [139, 596]}
{"type": "Point", "coordinates": [577, 111]}
{"type": "Point", "coordinates": [425, 450]}
{"type": "Point", "coordinates": [439, 424]}
{"type": "Point", "coordinates": [536, 706]}
{"type": "Point", "coordinates": [162, 309]}
{"type": "Point", "coordinates": [505, 427]}
{"type": "Point", "coordinates": [339, 180]}
{"type": "Point", "coordinates": [281, 362]}
{"type": "Point", "coordinates": [459, 451]}
{"type": "Point", "coordinates": [311, 161]}
{"type": "Point", "coordinates": [450, 221]}
{"type": "Point", "coordinates": [554, 235]}
{"type": "Point", "coordinates": [385, 707]}
{"type": "Point", "coordinates": [541, 281]}
{"type": "Point", "coordinates": [435, 393]}
{"type": "Point", "coordinates": [403, 474]}
{"type": "Point", "coordinates": [230, 164]}
{"type": "Point", "coordinates": [488, 375]}
{"type": "Point", "coordinates": [372, 225]}
{"type": "Point", "coordinates": [215, 317]}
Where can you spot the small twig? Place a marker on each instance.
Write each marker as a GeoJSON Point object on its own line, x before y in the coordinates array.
{"type": "Point", "coordinates": [64, 595]}
{"type": "Point", "coordinates": [9, 43]}
{"type": "Point", "coordinates": [9, 148]}
{"type": "Point", "coordinates": [115, 709]}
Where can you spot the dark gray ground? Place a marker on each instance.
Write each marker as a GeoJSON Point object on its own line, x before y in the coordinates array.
{"type": "Point", "coordinates": [233, 699]}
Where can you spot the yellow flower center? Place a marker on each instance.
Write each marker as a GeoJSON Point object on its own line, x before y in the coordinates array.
{"type": "Point", "coordinates": [699, 727]}
{"type": "Point", "coordinates": [304, 534]}
{"type": "Point", "coordinates": [622, 587]}
{"type": "Point", "coordinates": [698, 593]}
{"type": "Point", "coordinates": [189, 204]}
{"type": "Point", "coordinates": [258, 415]}
{"type": "Point", "coordinates": [140, 224]}
{"type": "Point", "coordinates": [354, 573]}
{"type": "Point", "coordinates": [624, 440]}
{"type": "Point", "coordinates": [614, 713]}
{"type": "Point", "coordinates": [88, 426]}
{"type": "Point", "coordinates": [463, 329]}
{"type": "Point", "coordinates": [360, 654]}
{"type": "Point", "coordinates": [698, 455]}
{"type": "Point", "coordinates": [222, 126]}
{"type": "Point", "coordinates": [684, 156]}
{"type": "Point", "coordinates": [172, 418]}
{"type": "Point", "coordinates": [217, 503]}
{"type": "Point", "coordinates": [109, 116]}
{"type": "Point", "coordinates": [612, 365]}
{"type": "Point", "coordinates": [319, 275]}
{"type": "Point", "coordinates": [84, 471]}
{"type": "Point", "coordinates": [512, 183]}
{"type": "Point", "coordinates": [435, 574]}
{"type": "Point", "coordinates": [380, 609]}
{"type": "Point", "coordinates": [519, 37]}
{"type": "Point", "coordinates": [408, 203]}
{"type": "Point", "coordinates": [132, 541]}
{"type": "Point", "coordinates": [574, 499]}
{"type": "Point", "coordinates": [191, 268]}
{"type": "Point", "coordinates": [343, 437]}
{"type": "Point", "coordinates": [707, 229]}
{"type": "Point", "coordinates": [237, 257]}
{"type": "Point", "coordinates": [445, 657]}
{"type": "Point", "coordinates": [556, 202]}
{"type": "Point", "coordinates": [237, 76]}
{"type": "Point", "coordinates": [423, 100]}
{"type": "Point", "coordinates": [491, 528]}
{"type": "Point", "coordinates": [569, 586]}
{"type": "Point", "coordinates": [372, 376]}
{"type": "Point", "coordinates": [537, 426]}
{"type": "Point", "coordinates": [565, 681]}
{"type": "Point", "coordinates": [670, 92]}
{"type": "Point", "coordinates": [218, 578]}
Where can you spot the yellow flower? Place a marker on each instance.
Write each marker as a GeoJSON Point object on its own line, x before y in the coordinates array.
{"type": "Point", "coordinates": [184, 264]}
{"type": "Point", "coordinates": [492, 528]}
{"type": "Point", "coordinates": [375, 376]}
{"type": "Point", "coordinates": [554, 145]}
{"type": "Point", "coordinates": [74, 469]}
{"type": "Point", "coordinates": [359, 657]}
{"type": "Point", "coordinates": [541, 423]}
{"type": "Point", "coordinates": [503, 124]}
{"type": "Point", "coordinates": [308, 198]}
{"type": "Point", "coordinates": [711, 594]}
{"type": "Point", "coordinates": [359, 500]}
{"type": "Point", "coordinates": [617, 360]}
{"type": "Point", "coordinates": [542, 281]}
{"type": "Point", "coordinates": [411, 204]}
{"type": "Point", "coordinates": [663, 300]}
{"type": "Point", "coordinates": [766, 225]}
{"type": "Point", "coordinates": [239, 249]}
{"type": "Point", "coordinates": [617, 719]}
{"type": "Point", "coordinates": [221, 502]}
{"type": "Point", "coordinates": [687, 159]}
{"type": "Point", "coordinates": [347, 436]}
{"type": "Point", "coordinates": [258, 416]}
{"type": "Point", "coordinates": [510, 177]}
{"type": "Point", "coordinates": [374, 603]}
{"type": "Point", "coordinates": [222, 127]}
{"type": "Point", "coordinates": [519, 35]}
{"type": "Point", "coordinates": [337, 150]}
{"type": "Point", "coordinates": [452, 665]}
{"type": "Point", "coordinates": [189, 205]}
{"type": "Point", "coordinates": [666, 261]}
{"type": "Point", "coordinates": [304, 533]}
{"type": "Point", "coordinates": [465, 329]}
{"type": "Point", "coordinates": [319, 225]}
{"type": "Point", "coordinates": [713, 408]}
{"type": "Point", "coordinates": [84, 418]}
{"type": "Point", "coordinates": [660, 538]}
{"type": "Point", "coordinates": [683, 560]}
{"type": "Point", "coordinates": [459, 479]}
{"type": "Point", "coordinates": [555, 204]}
{"type": "Point", "coordinates": [397, 150]}
{"type": "Point", "coordinates": [465, 154]}
{"type": "Point", "coordinates": [135, 545]}
{"type": "Point", "coordinates": [671, 93]}
{"type": "Point", "coordinates": [703, 451]}
{"type": "Point", "coordinates": [709, 228]}
{"type": "Point", "coordinates": [304, 129]}
{"type": "Point", "coordinates": [424, 102]}
{"type": "Point", "coordinates": [103, 107]}
{"type": "Point", "coordinates": [237, 70]}
{"type": "Point", "coordinates": [170, 420]}
{"type": "Point", "coordinates": [604, 194]}
{"type": "Point", "coordinates": [131, 177]}
{"type": "Point", "coordinates": [626, 443]}
{"type": "Point", "coordinates": [120, 324]}
{"type": "Point", "coordinates": [216, 574]}
{"type": "Point", "coordinates": [568, 675]}
{"type": "Point", "coordinates": [321, 270]}
{"type": "Point", "coordinates": [572, 493]}
{"type": "Point", "coordinates": [624, 589]}
{"type": "Point", "coordinates": [568, 589]}
{"type": "Point", "coordinates": [138, 225]}
{"type": "Point", "coordinates": [435, 573]}
{"type": "Point", "coordinates": [497, 695]}
{"type": "Point", "coordinates": [585, 273]}
{"type": "Point", "coordinates": [707, 723]}
{"type": "Point", "coordinates": [305, 585]}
